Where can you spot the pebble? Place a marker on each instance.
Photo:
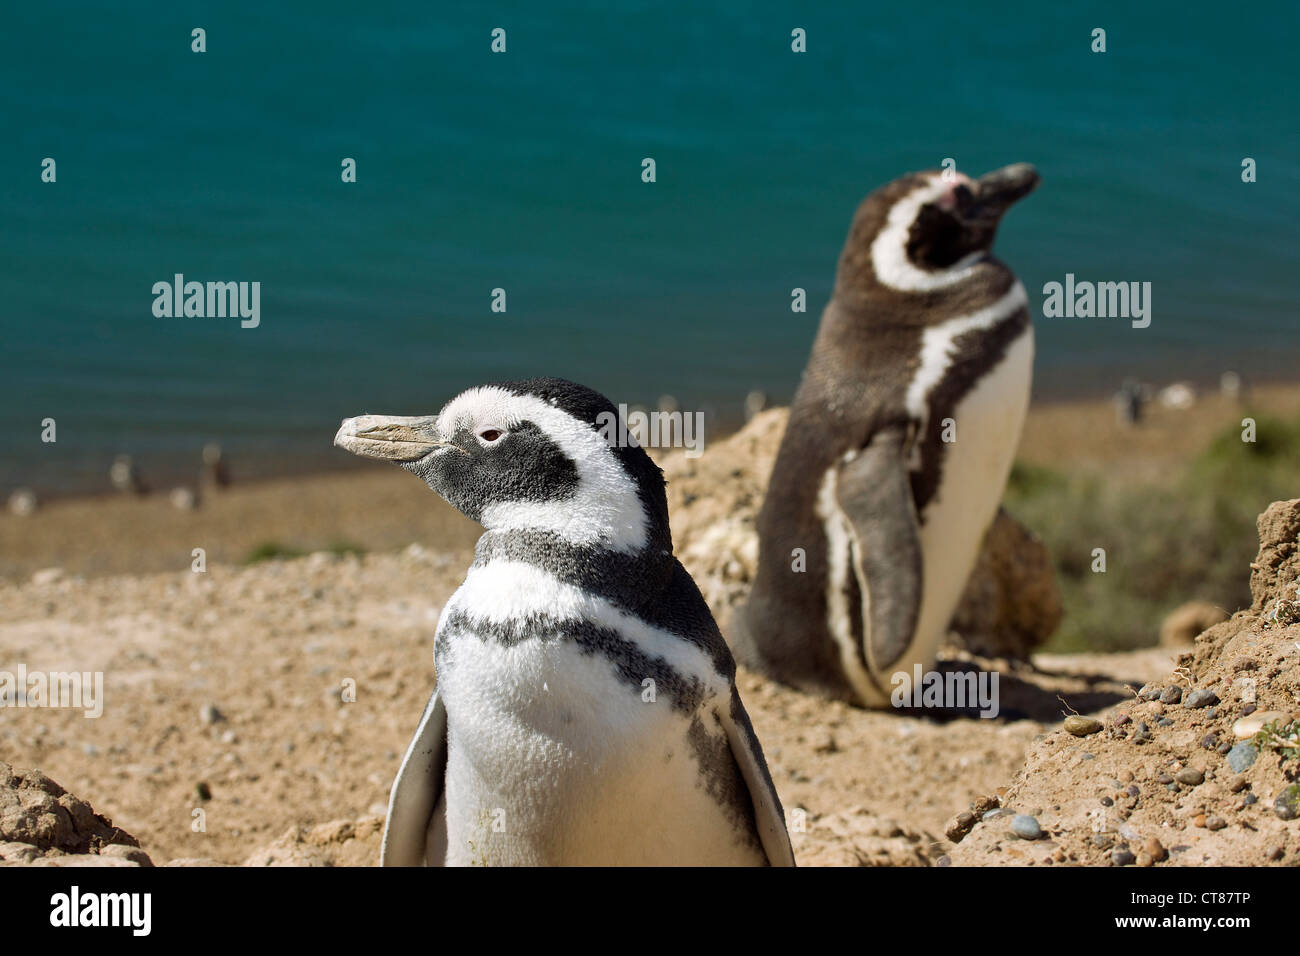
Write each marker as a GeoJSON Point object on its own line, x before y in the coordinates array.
{"type": "Point", "coordinates": [1237, 784]}
{"type": "Point", "coordinates": [1127, 776]}
{"type": "Point", "coordinates": [1210, 741]}
{"type": "Point", "coordinates": [209, 714]}
{"type": "Point", "coordinates": [1123, 719]}
{"type": "Point", "coordinates": [1132, 790]}
{"type": "Point", "coordinates": [202, 790]}
{"type": "Point", "coordinates": [1102, 840]}
{"type": "Point", "coordinates": [1201, 698]}
{"type": "Point", "coordinates": [1252, 724]}
{"type": "Point", "coordinates": [1276, 853]}
{"type": "Point", "coordinates": [1122, 856]}
{"type": "Point", "coordinates": [995, 813]}
{"type": "Point", "coordinates": [1190, 776]}
{"type": "Point", "coordinates": [1107, 802]}
{"type": "Point", "coordinates": [1223, 748]}
{"type": "Point", "coordinates": [1215, 822]}
{"type": "Point", "coordinates": [1171, 695]}
{"type": "Point", "coordinates": [1026, 827]}
{"type": "Point", "coordinates": [1082, 726]}
{"type": "Point", "coordinates": [1142, 733]}
{"type": "Point", "coordinates": [1199, 821]}
{"type": "Point", "coordinates": [1250, 799]}
{"type": "Point", "coordinates": [1144, 859]}
{"type": "Point", "coordinates": [1241, 757]}
{"type": "Point", "coordinates": [1164, 778]}
{"type": "Point", "coordinates": [1247, 710]}
{"type": "Point", "coordinates": [1164, 722]}
{"type": "Point", "coordinates": [1155, 848]}
{"type": "Point", "coordinates": [1287, 804]}
{"type": "Point", "coordinates": [1149, 692]}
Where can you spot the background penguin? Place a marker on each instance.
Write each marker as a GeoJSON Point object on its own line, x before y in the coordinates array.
{"type": "Point", "coordinates": [586, 710]}
{"type": "Point", "coordinates": [926, 336]}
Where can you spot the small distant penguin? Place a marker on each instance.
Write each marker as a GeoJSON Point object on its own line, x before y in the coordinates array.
{"type": "Point", "coordinates": [899, 442]}
{"type": "Point", "coordinates": [214, 474]}
{"type": "Point", "coordinates": [124, 475]}
{"type": "Point", "coordinates": [586, 711]}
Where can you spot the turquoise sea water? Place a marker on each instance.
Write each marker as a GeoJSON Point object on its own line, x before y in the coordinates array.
{"type": "Point", "coordinates": [522, 171]}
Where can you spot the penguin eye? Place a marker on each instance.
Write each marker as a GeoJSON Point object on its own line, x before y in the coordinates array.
{"type": "Point", "coordinates": [490, 435]}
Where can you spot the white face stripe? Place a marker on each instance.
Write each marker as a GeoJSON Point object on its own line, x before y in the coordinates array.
{"type": "Point", "coordinates": [936, 354]}
{"type": "Point", "coordinates": [839, 535]}
{"type": "Point", "coordinates": [605, 509]}
{"type": "Point", "coordinates": [889, 249]}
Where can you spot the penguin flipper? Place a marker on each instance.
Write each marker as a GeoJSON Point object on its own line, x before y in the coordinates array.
{"type": "Point", "coordinates": [769, 818]}
{"type": "Point", "coordinates": [875, 494]}
{"type": "Point", "coordinates": [417, 790]}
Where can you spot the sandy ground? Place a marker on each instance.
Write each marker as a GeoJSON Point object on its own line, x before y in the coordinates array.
{"type": "Point", "coordinates": [271, 646]}
{"type": "Point", "coordinates": [227, 734]}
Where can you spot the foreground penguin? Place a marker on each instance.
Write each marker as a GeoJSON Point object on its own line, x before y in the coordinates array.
{"type": "Point", "coordinates": [899, 442]}
{"type": "Point", "coordinates": [586, 711]}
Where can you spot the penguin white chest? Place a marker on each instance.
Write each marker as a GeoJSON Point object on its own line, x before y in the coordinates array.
{"type": "Point", "coordinates": [988, 421]}
{"type": "Point", "coordinates": [557, 755]}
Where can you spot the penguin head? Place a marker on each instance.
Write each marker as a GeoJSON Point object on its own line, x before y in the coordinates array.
{"type": "Point", "coordinates": [542, 455]}
{"type": "Point", "coordinates": [925, 230]}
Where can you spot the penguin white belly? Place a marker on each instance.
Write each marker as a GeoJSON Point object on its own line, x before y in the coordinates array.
{"type": "Point", "coordinates": [975, 469]}
{"type": "Point", "coordinates": [554, 759]}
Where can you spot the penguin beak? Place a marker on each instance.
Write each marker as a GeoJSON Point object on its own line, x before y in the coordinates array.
{"type": "Point", "coordinates": [390, 437]}
{"type": "Point", "coordinates": [995, 192]}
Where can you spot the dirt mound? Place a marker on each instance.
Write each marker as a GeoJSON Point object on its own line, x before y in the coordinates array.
{"type": "Point", "coordinates": [1198, 768]}
{"type": "Point", "coordinates": [337, 843]}
{"type": "Point", "coordinates": [41, 823]}
{"type": "Point", "coordinates": [1011, 604]}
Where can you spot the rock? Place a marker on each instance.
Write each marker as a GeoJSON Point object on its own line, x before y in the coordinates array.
{"type": "Point", "coordinates": [1201, 698]}
{"type": "Point", "coordinates": [1026, 827]}
{"type": "Point", "coordinates": [23, 502]}
{"type": "Point", "coordinates": [195, 861]}
{"type": "Point", "coordinates": [1276, 569]}
{"type": "Point", "coordinates": [1122, 856]}
{"type": "Point", "coordinates": [1287, 804]}
{"type": "Point", "coordinates": [183, 499]}
{"type": "Point", "coordinates": [132, 853]}
{"type": "Point", "coordinates": [1254, 722]}
{"type": "Point", "coordinates": [1181, 626]}
{"type": "Point", "coordinates": [1190, 776]}
{"type": "Point", "coordinates": [47, 576]}
{"type": "Point", "coordinates": [1012, 603]}
{"type": "Point", "coordinates": [82, 860]}
{"type": "Point", "coordinates": [1215, 822]}
{"type": "Point", "coordinates": [1155, 849]}
{"type": "Point", "coordinates": [19, 852]}
{"type": "Point", "coordinates": [1082, 726]}
{"type": "Point", "coordinates": [1171, 695]}
{"type": "Point", "coordinates": [1237, 784]}
{"type": "Point", "coordinates": [1241, 757]}
{"type": "Point", "coordinates": [39, 818]}
{"type": "Point", "coordinates": [822, 741]}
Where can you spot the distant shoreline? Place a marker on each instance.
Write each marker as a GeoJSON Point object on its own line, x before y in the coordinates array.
{"type": "Point", "coordinates": [372, 507]}
{"type": "Point", "coordinates": [164, 471]}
